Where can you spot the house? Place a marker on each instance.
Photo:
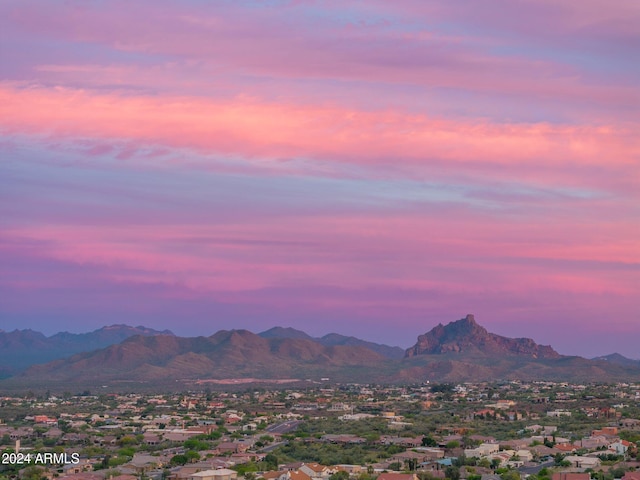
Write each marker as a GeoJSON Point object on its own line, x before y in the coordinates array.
{"type": "Point", "coordinates": [151, 439]}
{"type": "Point", "coordinates": [524, 455]}
{"type": "Point", "coordinates": [220, 474]}
{"type": "Point", "coordinates": [297, 475]}
{"type": "Point", "coordinates": [630, 423]}
{"type": "Point", "coordinates": [431, 453]}
{"type": "Point", "coordinates": [397, 476]}
{"type": "Point", "coordinates": [83, 466]}
{"type": "Point", "coordinates": [239, 458]}
{"type": "Point", "coordinates": [558, 413]}
{"type": "Point", "coordinates": [565, 447]}
{"type": "Point", "coordinates": [542, 451]}
{"type": "Point", "coordinates": [179, 435]}
{"type": "Point", "coordinates": [594, 441]}
{"type": "Point", "coordinates": [124, 477]}
{"type": "Point", "coordinates": [81, 476]}
{"type": "Point", "coordinates": [570, 476]}
{"type": "Point", "coordinates": [409, 442]}
{"type": "Point", "coordinates": [620, 447]}
{"type": "Point", "coordinates": [582, 462]}
{"type": "Point", "coordinates": [515, 444]}
{"type": "Point", "coordinates": [54, 432]}
{"type": "Point", "coordinates": [342, 438]}
{"type": "Point", "coordinates": [232, 447]}
{"type": "Point", "coordinates": [315, 470]}
{"type": "Point", "coordinates": [482, 450]}
{"type": "Point", "coordinates": [611, 431]}
{"type": "Point", "coordinates": [45, 420]}
{"type": "Point", "coordinates": [418, 457]}
{"type": "Point", "coordinates": [142, 462]}
{"type": "Point", "coordinates": [351, 469]}
{"type": "Point", "coordinates": [275, 475]}
{"type": "Point", "coordinates": [185, 472]}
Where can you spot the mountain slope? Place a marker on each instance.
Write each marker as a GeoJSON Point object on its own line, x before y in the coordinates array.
{"type": "Point", "coordinates": [463, 350]}
{"type": "Point", "coordinates": [334, 339]}
{"type": "Point", "coordinates": [617, 359]}
{"type": "Point", "coordinates": [466, 336]}
{"type": "Point", "coordinates": [384, 350]}
{"type": "Point", "coordinates": [285, 332]}
{"type": "Point", "coordinates": [226, 354]}
{"type": "Point", "coordinates": [457, 352]}
{"type": "Point", "coordinates": [20, 349]}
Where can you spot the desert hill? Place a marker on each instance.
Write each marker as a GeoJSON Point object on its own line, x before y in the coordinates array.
{"type": "Point", "coordinates": [334, 339]}
{"type": "Point", "coordinates": [20, 349]}
{"type": "Point", "coordinates": [460, 351]}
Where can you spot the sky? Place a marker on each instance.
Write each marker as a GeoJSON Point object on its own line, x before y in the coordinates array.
{"type": "Point", "coordinates": [370, 168]}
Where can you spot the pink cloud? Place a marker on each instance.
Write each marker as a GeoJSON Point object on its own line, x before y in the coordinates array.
{"type": "Point", "coordinates": [234, 41]}
{"type": "Point", "coordinates": [466, 253]}
{"type": "Point", "coordinates": [265, 133]}
{"type": "Point", "coordinates": [597, 23]}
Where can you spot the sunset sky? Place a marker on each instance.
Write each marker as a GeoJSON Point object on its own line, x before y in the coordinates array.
{"type": "Point", "coordinates": [371, 167]}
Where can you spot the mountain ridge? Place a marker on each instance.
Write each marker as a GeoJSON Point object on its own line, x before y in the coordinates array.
{"type": "Point", "coordinates": [334, 339]}
{"type": "Point", "coordinates": [466, 335]}
{"type": "Point", "coordinates": [460, 351]}
{"type": "Point", "coordinates": [227, 353]}
{"type": "Point", "coordinates": [20, 349]}
{"type": "Point", "coordinates": [618, 359]}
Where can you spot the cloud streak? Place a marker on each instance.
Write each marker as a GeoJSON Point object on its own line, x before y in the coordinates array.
{"type": "Point", "coordinates": [267, 133]}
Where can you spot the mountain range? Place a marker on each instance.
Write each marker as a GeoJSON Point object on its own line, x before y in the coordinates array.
{"type": "Point", "coordinates": [462, 350]}
{"type": "Point", "coordinates": [335, 339]}
{"type": "Point", "coordinates": [20, 349]}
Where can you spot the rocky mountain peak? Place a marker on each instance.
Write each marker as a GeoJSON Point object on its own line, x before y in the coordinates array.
{"type": "Point", "coordinates": [466, 336]}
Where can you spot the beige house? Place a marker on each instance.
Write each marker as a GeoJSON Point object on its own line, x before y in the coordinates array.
{"type": "Point", "coordinates": [315, 470]}
{"type": "Point", "coordinates": [220, 474]}
{"type": "Point", "coordinates": [583, 462]}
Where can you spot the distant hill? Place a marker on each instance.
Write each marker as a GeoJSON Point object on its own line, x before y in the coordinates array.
{"type": "Point", "coordinates": [226, 354]}
{"type": "Point", "coordinates": [618, 359]}
{"type": "Point", "coordinates": [335, 339]}
{"type": "Point", "coordinates": [285, 332]}
{"type": "Point", "coordinates": [459, 351]}
{"type": "Point", "coordinates": [20, 349]}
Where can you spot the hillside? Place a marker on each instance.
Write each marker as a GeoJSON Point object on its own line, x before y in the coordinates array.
{"type": "Point", "coordinates": [460, 351]}
{"type": "Point", "coordinates": [20, 349]}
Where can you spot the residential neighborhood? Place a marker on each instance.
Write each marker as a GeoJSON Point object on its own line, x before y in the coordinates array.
{"type": "Point", "coordinates": [511, 430]}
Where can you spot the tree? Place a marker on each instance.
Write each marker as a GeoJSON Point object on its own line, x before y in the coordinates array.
{"type": "Point", "coordinates": [428, 441]}
{"type": "Point", "coordinates": [105, 462]}
{"type": "Point", "coordinates": [179, 459]}
{"type": "Point", "coordinates": [32, 473]}
{"type": "Point", "coordinates": [272, 461]}
{"type": "Point", "coordinates": [452, 473]}
{"type": "Point", "coordinates": [192, 456]}
{"type": "Point", "coordinates": [411, 463]}
{"type": "Point", "coordinates": [510, 475]}
{"type": "Point", "coordinates": [341, 475]}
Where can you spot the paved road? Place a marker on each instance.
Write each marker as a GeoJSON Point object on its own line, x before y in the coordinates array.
{"type": "Point", "coordinates": [284, 427]}
{"type": "Point", "coordinates": [272, 447]}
